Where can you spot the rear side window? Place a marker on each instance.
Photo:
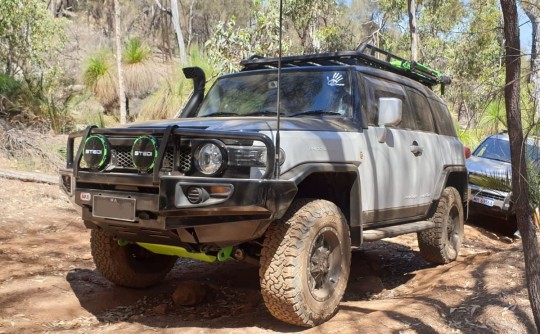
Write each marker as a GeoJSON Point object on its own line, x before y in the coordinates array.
{"type": "Point", "coordinates": [421, 111]}
{"type": "Point", "coordinates": [377, 88]}
{"type": "Point", "coordinates": [443, 120]}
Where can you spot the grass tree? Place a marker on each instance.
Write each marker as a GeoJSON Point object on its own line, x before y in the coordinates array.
{"type": "Point", "coordinates": [99, 77]}
{"type": "Point", "coordinates": [140, 71]}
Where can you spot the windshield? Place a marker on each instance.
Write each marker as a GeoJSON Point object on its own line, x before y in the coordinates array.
{"type": "Point", "coordinates": [302, 93]}
{"type": "Point", "coordinates": [498, 149]}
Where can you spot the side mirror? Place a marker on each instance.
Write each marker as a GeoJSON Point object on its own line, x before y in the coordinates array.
{"type": "Point", "coordinates": [390, 109]}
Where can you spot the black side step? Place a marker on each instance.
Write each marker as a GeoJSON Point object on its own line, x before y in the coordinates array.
{"type": "Point", "coordinates": [392, 231]}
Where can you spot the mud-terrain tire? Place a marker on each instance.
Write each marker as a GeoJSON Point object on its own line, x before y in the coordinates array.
{"type": "Point", "coordinates": [130, 265]}
{"type": "Point", "coordinates": [441, 243]}
{"type": "Point", "coordinates": [305, 263]}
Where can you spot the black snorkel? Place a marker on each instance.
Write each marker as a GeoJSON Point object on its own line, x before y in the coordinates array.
{"type": "Point", "coordinates": [199, 81]}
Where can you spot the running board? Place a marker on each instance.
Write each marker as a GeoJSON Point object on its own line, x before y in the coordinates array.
{"type": "Point", "coordinates": [392, 231]}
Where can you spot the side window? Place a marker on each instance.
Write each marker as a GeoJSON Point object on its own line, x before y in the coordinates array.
{"type": "Point", "coordinates": [443, 120]}
{"type": "Point", "coordinates": [421, 111]}
{"type": "Point", "coordinates": [377, 88]}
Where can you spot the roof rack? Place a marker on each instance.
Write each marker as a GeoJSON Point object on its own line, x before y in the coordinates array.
{"type": "Point", "coordinates": [365, 55]}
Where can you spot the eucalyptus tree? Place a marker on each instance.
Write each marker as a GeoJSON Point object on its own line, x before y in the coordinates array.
{"type": "Point", "coordinates": [28, 36]}
{"type": "Point", "coordinates": [520, 190]}
{"type": "Point", "coordinates": [532, 9]}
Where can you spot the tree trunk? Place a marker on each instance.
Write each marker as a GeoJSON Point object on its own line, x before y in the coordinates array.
{"type": "Point", "coordinates": [520, 190]}
{"type": "Point", "coordinates": [532, 9]}
{"type": "Point", "coordinates": [118, 40]}
{"type": "Point", "coordinates": [412, 29]}
{"type": "Point", "coordinates": [178, 30]}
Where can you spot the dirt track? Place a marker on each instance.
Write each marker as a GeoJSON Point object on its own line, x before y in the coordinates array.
{"type": "Point", "coordinates": [48, 283]}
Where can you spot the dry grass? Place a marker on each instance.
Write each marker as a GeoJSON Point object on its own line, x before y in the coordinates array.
{"type": "Point", "coordinates": [32, 150]}
{"type": "Point", "coordinates": [166, 101]}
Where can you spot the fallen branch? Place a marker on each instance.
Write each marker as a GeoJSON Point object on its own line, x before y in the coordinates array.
{"type": "Point", "coordinates": [28, 176]}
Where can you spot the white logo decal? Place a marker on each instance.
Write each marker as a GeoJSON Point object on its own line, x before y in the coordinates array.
{"type": "Point", "coordinates": [93, 152]}
{"type": "Point", "coordinates": [86, 197]}
{"type": "Point", "coordinates": [143, 153]}
{"type": "Point", "coordinates": [336, 80]}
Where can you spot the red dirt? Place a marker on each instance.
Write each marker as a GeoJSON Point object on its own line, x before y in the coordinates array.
{"type": "Point", "coordinates": [48, 283]}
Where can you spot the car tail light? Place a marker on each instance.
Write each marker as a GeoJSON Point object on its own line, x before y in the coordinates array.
{"type": "Point", "coordinates": [467, 152]}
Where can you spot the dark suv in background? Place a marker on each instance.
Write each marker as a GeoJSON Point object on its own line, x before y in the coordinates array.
{"type": "Point", "coordinates": [490, 174]}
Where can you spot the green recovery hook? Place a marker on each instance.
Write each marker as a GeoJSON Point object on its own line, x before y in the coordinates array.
{"type": "Point", "coordinates": [225, 253]}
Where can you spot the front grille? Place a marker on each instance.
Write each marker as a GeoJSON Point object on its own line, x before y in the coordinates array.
{"type": "Point", "coordinates": [122, 157]}
{"type": "Point", "coordinates": [185, 158]}
{"type": "Point", "coordinates": [491, 195]}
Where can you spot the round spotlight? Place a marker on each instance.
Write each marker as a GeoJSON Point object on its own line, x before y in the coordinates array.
{"type": "Point", "coordinates": [210, 159]}
{"type": "Point", "coordinates": [144, 153]}
{"type": "Point", "coordinates": [96, 152]}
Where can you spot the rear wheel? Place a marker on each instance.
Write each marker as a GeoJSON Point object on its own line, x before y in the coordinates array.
{"type": "Point", "coordinates": [305, 263]}
{"type": "Point", "coordinates": [130, 265]}
{"type": "Point", "coordinates": [441, 244]}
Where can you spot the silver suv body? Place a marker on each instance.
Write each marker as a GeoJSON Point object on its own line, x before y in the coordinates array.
{"type": "Point", "coordinates": [362, 150]}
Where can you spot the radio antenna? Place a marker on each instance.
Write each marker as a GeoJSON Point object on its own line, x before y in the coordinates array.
{"type": "Point", "coordinates": [277, 169]}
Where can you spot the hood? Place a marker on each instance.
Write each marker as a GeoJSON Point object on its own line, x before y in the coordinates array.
{"type": "Point", "coordinates": [488, 167]}
{"type": "Point", "coordinates": [253, 124]}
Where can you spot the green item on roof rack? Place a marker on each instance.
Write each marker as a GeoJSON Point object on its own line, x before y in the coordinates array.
{"type": "Point", "coordinates": [411, 66]}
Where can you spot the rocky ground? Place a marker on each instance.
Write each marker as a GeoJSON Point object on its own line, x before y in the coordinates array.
{"type": "Point", "coordinates": [48, 283]}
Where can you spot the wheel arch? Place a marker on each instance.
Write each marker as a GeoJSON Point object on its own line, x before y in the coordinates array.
{"type": "Point", "coordinates": [457, 177]}
{"type": "Point", "coordinates": [338, 183]}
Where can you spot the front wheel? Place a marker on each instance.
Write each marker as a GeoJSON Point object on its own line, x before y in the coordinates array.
{"type": "Point", "coordinates": [441, 243]}
{"type": "Point", "coordinates": [305, 263]}
{"type": "Point", "coordinates": [131, 265]}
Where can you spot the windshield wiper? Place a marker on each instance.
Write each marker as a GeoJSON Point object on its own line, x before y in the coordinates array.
{"type": "Point", "coordinates": [221, 113]}
{"type": "Point", "coordinates": [315, 112]}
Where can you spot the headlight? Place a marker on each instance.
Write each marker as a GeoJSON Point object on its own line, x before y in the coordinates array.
{"type": "Point", "coordinates": [210, 159]}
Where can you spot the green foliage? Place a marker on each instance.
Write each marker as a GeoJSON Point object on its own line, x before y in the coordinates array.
{"type": "Point", "coordinates": [140, 72]}
{"type": "Point", "coordinates": [230, 43]}
{"type": "Point", "coordinates": [533, 173]}
{"type": "Point", "coordinates": [174, 91]}
{"type": "Point", "coordinates": [100, 78]}
{"type": "Point", "coordinates": [493, 119]}
{"type": "Point", "coordinates": [10, 88]}
{"type": "Point", "coordinates": [28, 35]}
{"type": "Point", "coordinates": [167, 101]}
{"type": "Point", "coordinates": [37, 101]}
{"type": "Point", "coordinates": [97, 66]}
{"type": "Point", "coordinates": [469, 137]}
{"type": "Point", "coordinates": [135, 51]}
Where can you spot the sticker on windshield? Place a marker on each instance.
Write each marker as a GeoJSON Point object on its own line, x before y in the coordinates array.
{"type": "Point", "coordinates": [336, 80]}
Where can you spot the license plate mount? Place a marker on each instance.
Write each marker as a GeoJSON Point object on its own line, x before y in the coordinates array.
{"type": "Point", "coordinates": [110, 207]}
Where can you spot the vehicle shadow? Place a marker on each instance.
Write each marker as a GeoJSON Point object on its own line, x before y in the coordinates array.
{"type": "Point", "coordinates": [233, 299]}
{"type": "Point", "coordinates": [489, 225]}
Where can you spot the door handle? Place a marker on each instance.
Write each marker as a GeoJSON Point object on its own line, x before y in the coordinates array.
{"type": "Point", "coordinates": [416, 149]}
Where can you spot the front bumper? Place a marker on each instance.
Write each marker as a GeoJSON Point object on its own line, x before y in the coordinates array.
{"type": "Point", "coordinates": [241, 210]}
{"type": "Point", "coordinates": [167, 206]}
{"type": "Point", "coordinates": [496, 203]}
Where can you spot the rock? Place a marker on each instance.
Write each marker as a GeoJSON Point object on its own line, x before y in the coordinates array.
{"type": "Point", "coordinates": [160, 309]}
{"type": "Point", "coordinates": [189, 293]}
